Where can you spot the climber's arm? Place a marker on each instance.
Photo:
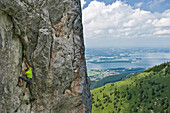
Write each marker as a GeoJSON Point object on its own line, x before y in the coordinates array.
{"type": "Point", "coordinates": [23, 73]}
{"type": "Point", "coordinates": [27, 64]}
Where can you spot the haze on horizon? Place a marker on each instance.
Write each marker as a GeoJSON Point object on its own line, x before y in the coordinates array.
{"type": "Point", "coordinates": [142, 23]}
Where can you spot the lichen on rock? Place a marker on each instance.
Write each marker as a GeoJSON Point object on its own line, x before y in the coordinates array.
{"type": "Point", "coordinates": [49, 35]}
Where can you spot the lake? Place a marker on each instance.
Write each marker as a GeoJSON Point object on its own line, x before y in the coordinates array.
{"type": "Point", "coordinates": [144, 60]}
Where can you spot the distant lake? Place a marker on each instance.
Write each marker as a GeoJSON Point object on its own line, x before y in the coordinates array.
{"type": "Point", "coordinates": [148, 60]}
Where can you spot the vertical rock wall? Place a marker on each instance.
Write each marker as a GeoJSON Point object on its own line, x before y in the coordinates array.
{"type": "Point", "coordinates": [49, 35]}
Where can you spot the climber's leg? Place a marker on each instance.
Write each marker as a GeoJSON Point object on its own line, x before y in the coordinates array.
{"type": "Point", "coordinates": [29, 82]}
{"type": "Point", "coordinates": [22, 78]}
{"type": "Point", "coordinates": [25, 90]}
{"type": "Point", "coordinates": [21, 82]}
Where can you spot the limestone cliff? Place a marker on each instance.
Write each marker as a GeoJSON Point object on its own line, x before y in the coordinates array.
{"type": "Point", "coordinates": [49, 35]}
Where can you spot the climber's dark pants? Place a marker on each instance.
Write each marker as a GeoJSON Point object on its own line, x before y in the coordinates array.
{"type": "Point", "coordinates": [29, 81]}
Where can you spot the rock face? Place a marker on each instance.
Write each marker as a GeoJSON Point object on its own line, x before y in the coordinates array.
{"type": "Point", "coordinates": [49, 35]}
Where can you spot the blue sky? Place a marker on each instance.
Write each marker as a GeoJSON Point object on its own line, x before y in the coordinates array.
{"type": "Point", "coordinates": [149, 5]}
{"type": "Point", "coordinates": [126, 23]}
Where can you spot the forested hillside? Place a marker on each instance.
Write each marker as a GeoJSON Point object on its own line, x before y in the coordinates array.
{"type": "Point", "coordinates": [143, 93]}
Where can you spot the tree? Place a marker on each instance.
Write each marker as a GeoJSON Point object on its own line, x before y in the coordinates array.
{"type": "Point", "coordinates": [98, 99]}
{"type": "Point", "coordinates": [150, 107]}
{"type": "Point", "coordinates": [111, 93]}
{"type": "Point", "coordinates": [129, 96]}
{"type": "Point", "coordinates": [166, 105]}
{"type": "Point", "coordinates": [162, 102]}
{"type": "Point", "coordinates": [141, 91]}
{"type": "Point", "coordinates": [119, 109]}
{"type": "Point", "coordinates": [153, 92]}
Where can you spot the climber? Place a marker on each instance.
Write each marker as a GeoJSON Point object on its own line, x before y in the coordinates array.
{"type": "Point", "coordinates": [27, 77]}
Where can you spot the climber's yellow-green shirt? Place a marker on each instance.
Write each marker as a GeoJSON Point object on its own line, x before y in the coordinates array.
{"type": "Point", "coordinates": [29, 73]}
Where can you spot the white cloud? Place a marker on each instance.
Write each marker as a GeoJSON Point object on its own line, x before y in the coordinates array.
{"type": "Point", "coordinates": [163, 22]}
{"type": "Point", "coordinates": [83, 3]}
{"type": "Point", "coordinates": [162, 32]}
{"type": "Point", "coordinates": [130, 23]}
{"type": "Point", "coordinates": [119, 20]}
{"type": "Point", "coordinates": [139, 4]}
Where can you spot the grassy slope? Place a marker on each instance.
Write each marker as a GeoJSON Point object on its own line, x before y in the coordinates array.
{"type": "Point", "coordinates": [142, 93]}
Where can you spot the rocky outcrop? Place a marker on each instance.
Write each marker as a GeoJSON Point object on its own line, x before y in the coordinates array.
{"type": "Point", "coordinates": [49, 35]}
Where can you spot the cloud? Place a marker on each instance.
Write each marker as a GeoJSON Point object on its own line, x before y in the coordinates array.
{"type": "Point", "coordinates": [139, 4]}
{"type": "Point", "coordinates": [120, 20]}
{"type": "Point", "coordinates": [163, 22]}
{"type": "Point", "coordinates": [162, 32]}
{"type": "Point", "coordinates": [83, 3]}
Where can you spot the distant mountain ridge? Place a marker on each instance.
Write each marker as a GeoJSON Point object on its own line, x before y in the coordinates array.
{"type": "Point", "coordinates": [110, 79]}
{"type": "Point", "coordinates": [143, 93]}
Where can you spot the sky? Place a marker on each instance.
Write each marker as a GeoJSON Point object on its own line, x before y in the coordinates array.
{"type": "Point", "coordinates": [126, 23]}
